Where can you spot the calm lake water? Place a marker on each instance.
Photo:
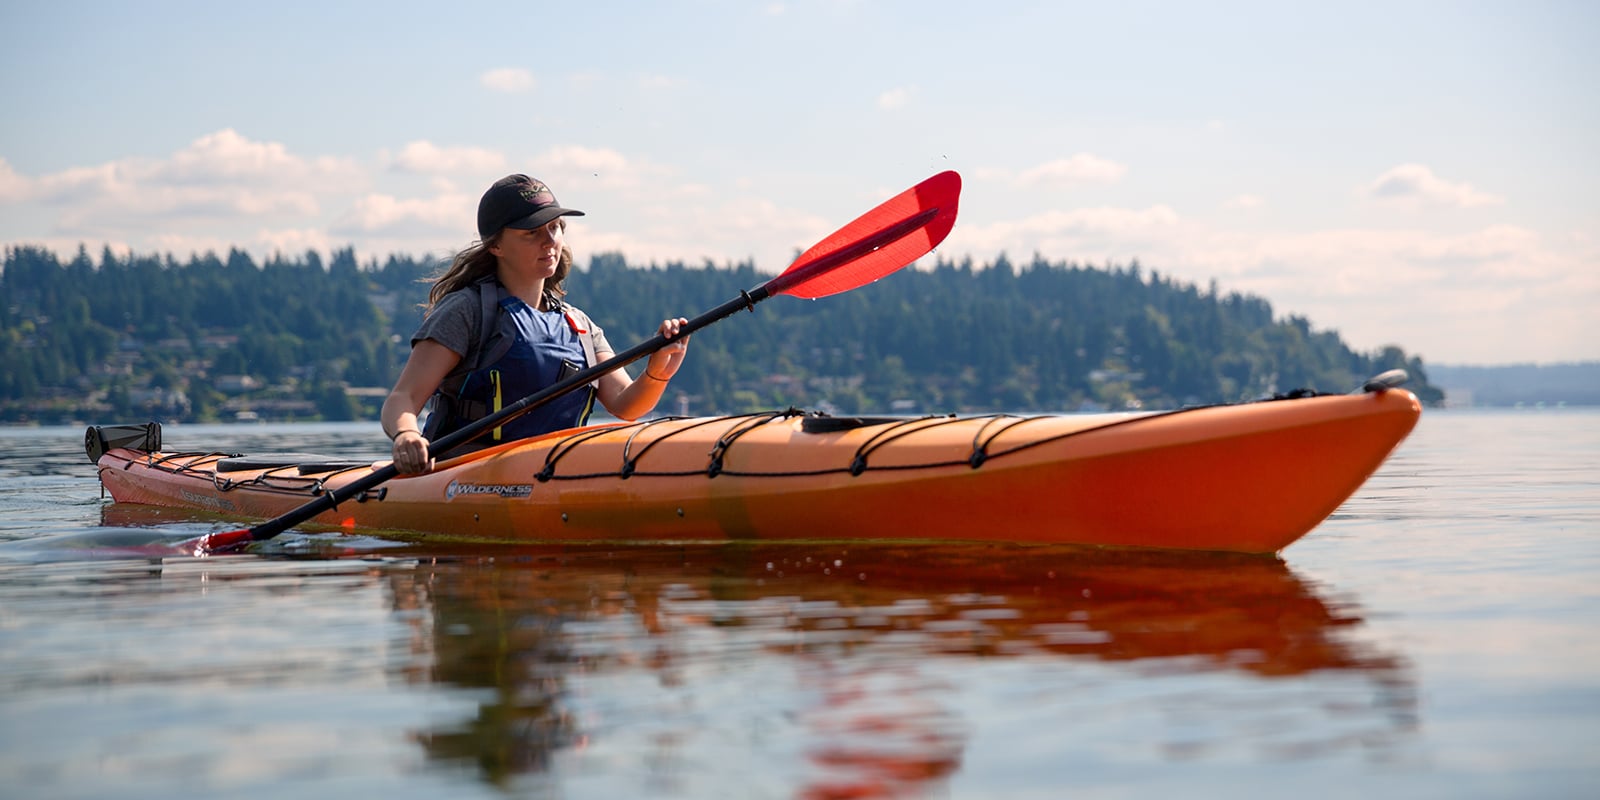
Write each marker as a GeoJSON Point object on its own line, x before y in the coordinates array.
{"type": "Point", "coordinates": [1438, 637]}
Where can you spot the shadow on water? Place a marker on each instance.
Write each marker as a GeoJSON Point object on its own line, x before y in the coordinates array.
{"type": "Point", "coordinates": [858, 625]}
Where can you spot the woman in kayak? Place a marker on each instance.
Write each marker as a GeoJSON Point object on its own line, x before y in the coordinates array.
{"type": "Point", "coordinates": [497, 329]}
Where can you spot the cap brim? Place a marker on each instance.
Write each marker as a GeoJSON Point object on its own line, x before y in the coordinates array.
{"type": "Point", "coordinates": [542, 217]}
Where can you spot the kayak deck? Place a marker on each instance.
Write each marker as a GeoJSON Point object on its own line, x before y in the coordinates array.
{"type": "Point", "coordinates": [1250, 477]}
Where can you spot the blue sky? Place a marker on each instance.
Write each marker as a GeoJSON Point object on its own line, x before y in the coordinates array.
{"type": "Point", "coordinates": [1415, 173]}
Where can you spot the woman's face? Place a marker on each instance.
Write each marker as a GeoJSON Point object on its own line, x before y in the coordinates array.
{"type": "Point", "coordinates": [537, 251]}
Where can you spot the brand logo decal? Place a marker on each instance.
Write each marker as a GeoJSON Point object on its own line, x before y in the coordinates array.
{"type": "Point", "coordinates": [207, 501]}
{"type": "Point", "coordinates": [538, 194]}
{"type": "Point", "coordinates": [510, 490]}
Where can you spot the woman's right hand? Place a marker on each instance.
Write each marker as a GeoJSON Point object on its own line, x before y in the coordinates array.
{"type": "Point", "coordinates": [411, 453]}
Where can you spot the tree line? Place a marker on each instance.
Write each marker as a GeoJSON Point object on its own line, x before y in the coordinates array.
{"type": "Point", "coordinates": [212, 337]}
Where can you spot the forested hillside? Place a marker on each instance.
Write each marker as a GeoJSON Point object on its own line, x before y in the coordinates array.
{"type": "Point", "coordinates": [219, 338]}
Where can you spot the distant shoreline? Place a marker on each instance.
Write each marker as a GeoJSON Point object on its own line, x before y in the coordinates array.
{"type": "Point", "coordinates": [1518, 385]}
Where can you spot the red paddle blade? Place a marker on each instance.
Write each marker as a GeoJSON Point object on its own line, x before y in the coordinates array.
{"type": "Point", "coordinates": [903, 229]}
{"type": "Point", "coordinates": [220, 542]}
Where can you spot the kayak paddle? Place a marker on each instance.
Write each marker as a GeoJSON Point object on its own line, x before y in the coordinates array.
{"type": "Point", "coordinates": [899, 231]}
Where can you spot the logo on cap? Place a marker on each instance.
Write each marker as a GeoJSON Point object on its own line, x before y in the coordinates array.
{"type": "Point", "coordinates": [538, 194]}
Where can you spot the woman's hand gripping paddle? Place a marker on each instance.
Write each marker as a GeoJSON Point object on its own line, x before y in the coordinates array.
{"type": "Point", "coordinates": [896, 233]}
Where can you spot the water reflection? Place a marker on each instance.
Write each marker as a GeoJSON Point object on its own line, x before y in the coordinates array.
{"type": "Point", "coordinates": [851, 657]}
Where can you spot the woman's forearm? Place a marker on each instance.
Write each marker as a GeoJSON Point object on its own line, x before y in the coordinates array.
{"type": "Point", "coordinates": [639, 397]}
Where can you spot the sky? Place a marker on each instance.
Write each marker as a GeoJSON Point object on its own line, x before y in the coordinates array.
{"type": "Point", "coordinates": [1421, 174]}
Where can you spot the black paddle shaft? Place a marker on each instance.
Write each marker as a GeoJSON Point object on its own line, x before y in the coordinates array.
{"type": "Point", "coordinates": [444, 444]}
{"type": "Point", "coordinates": [792, 277]}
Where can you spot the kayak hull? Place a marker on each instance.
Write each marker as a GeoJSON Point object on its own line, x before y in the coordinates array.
{"type": "Point", "coordinates": [1250, 477]}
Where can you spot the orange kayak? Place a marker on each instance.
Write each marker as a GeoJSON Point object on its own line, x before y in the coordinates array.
{"type": "Point", "coordinates": [1251, 477]}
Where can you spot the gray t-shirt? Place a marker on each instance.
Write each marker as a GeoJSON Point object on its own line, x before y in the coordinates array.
{"type": "Point", "coordinates": [454, 323]}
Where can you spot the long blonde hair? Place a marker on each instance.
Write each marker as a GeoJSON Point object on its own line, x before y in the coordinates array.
{"type": "Point", "coordinates": [474, 263]}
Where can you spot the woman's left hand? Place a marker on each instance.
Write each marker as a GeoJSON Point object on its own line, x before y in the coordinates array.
{"type": "Point", "coordinates": [664, 363]}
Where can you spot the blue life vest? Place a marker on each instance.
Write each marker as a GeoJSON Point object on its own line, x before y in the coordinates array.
{"type": "Point", "coordinates": [520, 351]}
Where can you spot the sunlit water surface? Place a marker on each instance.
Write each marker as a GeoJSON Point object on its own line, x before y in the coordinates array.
{"type": "Point", "coordinates": [1436, 638]}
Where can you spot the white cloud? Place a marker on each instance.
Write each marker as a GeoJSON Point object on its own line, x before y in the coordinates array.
{"type": "Point", "coordinates": [446, 214]}
{"type": "Point", "coordinates": [1245, 202]}
{"type": "Point", "coordinates": [1493, 293]}
{"type": "Point", "coordinates": [426, 158]}
{"type": "Point", "coordinates": [1117, 221]}
{"type": "Point", "coordinates": [573, 167]}
{"type": "Point", "coordinates": [732, 230]}
{"type": "Point", "coordinates": [512, 80]}
{"type": "Point", "coordinates": [1416, 185]}
{"type": "Point", "coordinates": [135, 205]}
{"type": "Point", "coordinates": [1100, 234]}
{"type": "Point", "coordinates": [215, 164]}
{"type": "Point", "coordinates": [295, 241]}
{"type": "Point", "coordinates": [585, 80]}
{"type": "Point", "coordinates": [218, 177]}
{"type": "Point", "coordinates": [657, 83]}
{"type": "Point", "coordinates": [181, 245]}
{"type": "Point", "coordinates": [594, 159]}
{"type": "Point", "coordinates": [1075, 169]}
{"type": "Point", "coordinates": [1480, 296]}
{"type": "Point", "coordinates": [81, 184]}
{"type": "Point", "coordinates": [894, 98]}
{"type": "Point", "coordinates": [13, 187]}
{"type": "Point", "coordinates": [225, 157]}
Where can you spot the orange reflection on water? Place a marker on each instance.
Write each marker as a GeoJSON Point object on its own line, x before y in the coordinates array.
{"type": "Point", "coordinates": [856, 627]}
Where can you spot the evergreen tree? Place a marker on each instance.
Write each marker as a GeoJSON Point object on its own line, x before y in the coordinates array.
{"type": "Point", "coordinates": [945, 337]}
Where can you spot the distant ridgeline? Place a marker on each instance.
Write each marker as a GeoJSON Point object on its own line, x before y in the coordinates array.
{"type": "Point", "coordinates": [225, 338]}
{"type": "Point", "coordinates": [1573, 384]}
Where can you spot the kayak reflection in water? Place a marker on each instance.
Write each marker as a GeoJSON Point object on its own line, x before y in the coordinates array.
{"type": "Point", "coordinates": [498, 328]}
{"type": "Point", "coordinates": [667, 656]}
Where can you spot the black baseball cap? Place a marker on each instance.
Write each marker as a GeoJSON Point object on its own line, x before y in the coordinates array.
{"type": "Point", "coordinates": [518, 201]}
